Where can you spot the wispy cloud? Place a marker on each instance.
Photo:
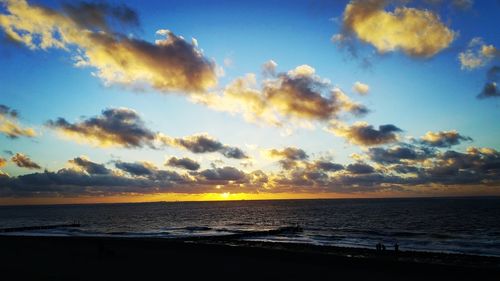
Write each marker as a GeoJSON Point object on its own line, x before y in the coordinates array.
{"type": "Point", "coordinates": [24, 161]}
{"type": "Point", "coordinates": [477, 54]}
{"type": "Point", "coordinates": [9, 124]}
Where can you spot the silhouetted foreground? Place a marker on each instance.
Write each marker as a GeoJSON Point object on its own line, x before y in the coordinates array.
{"type": "Point", "coordinates": [89, 258]}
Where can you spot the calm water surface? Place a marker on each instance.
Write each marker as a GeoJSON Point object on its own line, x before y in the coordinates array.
{"type": "Point", "coordinates": [459, 225]}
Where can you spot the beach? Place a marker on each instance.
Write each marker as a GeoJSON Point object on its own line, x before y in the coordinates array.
{"type": "Point", "coordinates": [113, 258]}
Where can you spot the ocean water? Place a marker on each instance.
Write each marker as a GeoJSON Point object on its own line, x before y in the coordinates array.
{"type": "Point", "coordinates": [454, 225]}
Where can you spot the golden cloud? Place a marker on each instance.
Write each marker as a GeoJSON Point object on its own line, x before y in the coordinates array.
{"type": "Point", "coordinates": [170, 64]}
{"type": "Point", "coordinates": [10, 126]}
{"type": "Point", "coordinates": [443, 138]}
{"type": "Point", "coordinates": [361, 88]}
{"type": "Point", "coordinates": [477, 54]}
{"type": "Point", "coordinates": [361, 133]}
{"type": "Point", "coordinates": [298, 96]}
{"type": "Point", "coordinates": [418, 33]}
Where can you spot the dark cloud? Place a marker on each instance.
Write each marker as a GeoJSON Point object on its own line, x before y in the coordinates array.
{"type": "Point", "coordinates": [184, 163]}
{"type": "Point", "coordinates": [290, 153]}
{"type": "Point", "coordinates": [136, 169]}
{"type": "Point", "coordinates": [300, 94]}
{"type": "Point", "coordinates": [288, 157]}
{"type": "Point", "coordinates": [24, 161]}
{"type": "Point", "coordinates": [443, 138]}
{"type": "Point", "coordinates": [360, 168]}
{"type": "Point", "coordinates": [327, 166]}
{"type": "Point", "coordinates": [114, 127]}
{"type": "Point", "coordinates": [405, 169]}
{"type": "Point", "coordinates": [223, 174]}
{"type": "Point", "coordinates": [203, 144]}
{"type": "Point", "coordinates": [97, 15]}
{"type": "Point", "coordinates": [68, 182]}
{"type": "Point", "coordinates": [123, 127]}
{"type": "Point", "coordinates": [397, 154]}
{"type": "Point", "coordinates": [7, 111]}
{"type": "Point", "coordinates": [476, 166]}
{"type": "Point", "coordinates": [200, 144]}
{"type": "Point", "coordinates": [233, 152]}
{"type": "Point", "coordinates": [366, 135]}
{"type": "Point", "coordinates": [89, 166]}
{"type": "Point", "coordinates": [491, 88]}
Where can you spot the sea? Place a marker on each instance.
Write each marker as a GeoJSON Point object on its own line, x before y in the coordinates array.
{"type": "Point", "coordinates": [450, 225]}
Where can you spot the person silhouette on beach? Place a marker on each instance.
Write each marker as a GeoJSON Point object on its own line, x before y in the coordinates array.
{"type": "Point", "coordinates": [378, 247]}
{"type": "Point", "coordinates": [396, 247]}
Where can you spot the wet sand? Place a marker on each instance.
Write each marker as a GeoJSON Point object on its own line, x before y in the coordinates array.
{"type": "Point", "coordinates": [99, 258]}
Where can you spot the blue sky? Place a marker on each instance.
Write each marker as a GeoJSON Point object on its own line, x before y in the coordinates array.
{"type": "Point", "coordinates": [416, 94]}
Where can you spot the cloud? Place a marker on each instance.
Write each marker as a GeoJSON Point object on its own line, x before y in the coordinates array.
{"type": "Point", "coordinates": [418, 33]}
{"type": "Point", "coordinates": [269, 68]}
{"type": "Point", "coordinates": [120, 127]}
{"type": "Point", "coordinates": [462, 4]}
{"type": "Point", "coordinates": [490, 89]}
{"type": "Point", "coordinates": [137, 168]}
{"type": "Point", "coordinates": [183, 163]}
{"type": "Point", "coordinates": [288, 157]}
{"type": "Point", "coordinates": [84, 164]}
{"type": "Point", "coordinates": [97, 15]}
{"type": "Point", "coordinates": [361, 88]}
{"type": "Point", "coordinates": [327, 166]}
{"type": "Point", "coordinates": [298, 95]}
{"type": "Point", "coordinates": [124, 127]}
{"type": "Point", "coordinates": [443, 138]}
{"type": "Point", "coordinates": [360, 168]}
{"type": "Point", "coordinates": [223, 174]}
{"type": "Point", "coordinates": [3, 162]}
{"type": "Point", "coordinates": [398, 153]}
{"type": "Point", "coordinates": [9, 124]}
{"type": "Point", "coordinates": [24, 161]}
{"type": "Point", "coordinates": [290, 153]}
{"type": "Point", "coordinates": [477, 54]}
{"type": "Point", "coordinates": [363, 134]}
{"type": "Point", "coordinates": [476, 167]}
{"type": "Point", "coordinates": [170, 64]}
{"type": "Point", "coordinates": [202, 143]}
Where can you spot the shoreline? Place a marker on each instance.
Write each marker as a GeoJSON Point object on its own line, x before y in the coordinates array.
{"type": "Point", "coordinates": [127, 258]}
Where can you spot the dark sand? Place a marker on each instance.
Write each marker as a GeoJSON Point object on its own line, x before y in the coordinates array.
{"type": "Point", "coordinates": [88, 258]}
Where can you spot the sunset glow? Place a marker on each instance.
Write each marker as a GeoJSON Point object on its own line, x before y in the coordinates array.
{"type": "Point", "coordinates": [189, 101]}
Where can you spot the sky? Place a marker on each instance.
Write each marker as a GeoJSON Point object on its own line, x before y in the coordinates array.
{"type": "Point", "coordinates": [227, 100]}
